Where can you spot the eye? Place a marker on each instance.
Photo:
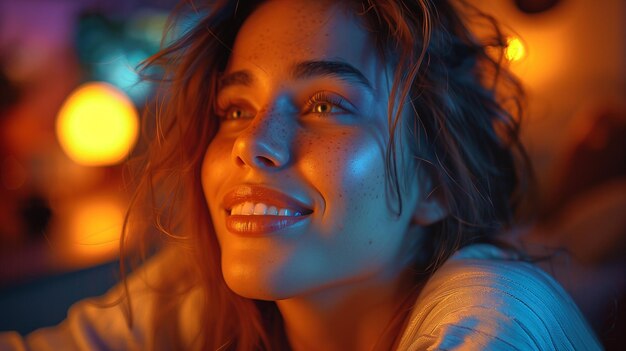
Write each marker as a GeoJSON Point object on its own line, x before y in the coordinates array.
{"type": "Point", "coordinates": [323, 104]}
{"type": "Point", "coordinates": [235, 112]}
{"type": "Point", "coordinates": [322, 107]}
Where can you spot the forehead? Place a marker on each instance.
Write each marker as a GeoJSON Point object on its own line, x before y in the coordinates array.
{"type": "Point", "coordinates": [280, 34]}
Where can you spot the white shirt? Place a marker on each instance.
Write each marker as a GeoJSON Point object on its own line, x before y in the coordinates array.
{"type": "Point", "coordinates": [478, 300]}
{"type": "Point", "coordinates": [483, 300]}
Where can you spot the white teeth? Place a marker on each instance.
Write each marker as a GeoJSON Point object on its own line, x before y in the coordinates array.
{"type": "Point", "coordinates": [272, 211]}
{"type": "Point", "coordinates": [260, 208]}
{"type": "Point", "coordinates": [250, 208]}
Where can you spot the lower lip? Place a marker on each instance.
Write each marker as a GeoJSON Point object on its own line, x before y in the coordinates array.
{"type": "Point", "coordinates": [260, 225]}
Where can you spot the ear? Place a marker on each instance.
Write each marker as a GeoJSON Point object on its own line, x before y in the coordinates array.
{"type": "Point", "coordinates": [431, 205]}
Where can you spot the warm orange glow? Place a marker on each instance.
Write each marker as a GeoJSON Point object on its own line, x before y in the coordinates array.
{"type": "Point", "coordinates": [515, 49]}
{"type": "Point", "coordinates": [97, 125]}
{"type": "Point", "coordinates": [95, 227]}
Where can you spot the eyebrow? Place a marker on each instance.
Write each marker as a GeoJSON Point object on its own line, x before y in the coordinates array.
{"type": "Point", "coordinates": [304, 70]}
{"type": "Point", "coordinates": [244, 78]}
{"type": "Point", "coordinates": [338, 69]}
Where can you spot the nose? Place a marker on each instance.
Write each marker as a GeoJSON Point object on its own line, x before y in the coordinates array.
{"type": "Point", "coordinates": [265, 143]}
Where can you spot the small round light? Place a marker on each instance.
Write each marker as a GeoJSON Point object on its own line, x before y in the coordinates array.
{"type": "Point", "coordinates": [97, 125]}
{"type": "Point", "coordinates": [515, 49]}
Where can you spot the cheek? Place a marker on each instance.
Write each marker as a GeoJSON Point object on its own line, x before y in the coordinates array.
{"type": "Point", "coordinates": [357, 233]}
{"type": "Point", "coordinates": [216, 167]}
{"type": "Point", "coordinates": [348, 171]}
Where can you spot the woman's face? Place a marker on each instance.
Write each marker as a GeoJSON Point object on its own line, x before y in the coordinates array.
{"type": "Point", "coordinates": [295, 178]}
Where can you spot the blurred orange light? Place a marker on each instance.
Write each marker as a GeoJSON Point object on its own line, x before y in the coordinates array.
{"type": "Point", "coordinates": [515, 49]}
{"type": "Point", "coordinates": [97, 125]}
{"type": "Point", "coordinates": [95, 228]}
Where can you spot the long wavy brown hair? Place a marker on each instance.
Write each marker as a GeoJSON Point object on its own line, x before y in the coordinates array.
{"type": "Point", "coordinates": [464, 128]}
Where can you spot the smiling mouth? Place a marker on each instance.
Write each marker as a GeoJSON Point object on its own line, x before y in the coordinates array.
{"type": "Point", "coordinates": [261, 224]}
{"type": "Point", "coordinates": [255, 210]}
{"type": "Point", "coordinates": [249, 208]}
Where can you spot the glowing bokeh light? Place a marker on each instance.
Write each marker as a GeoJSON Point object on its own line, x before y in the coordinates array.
{"type": "Point", "coordinates": [95, 227]}
{"type": "Point", "coordinates": [515, 49]}
{"type": "Point", "coordinates": [97, 125]}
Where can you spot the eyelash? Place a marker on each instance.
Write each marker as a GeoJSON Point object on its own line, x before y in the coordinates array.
{"type": "Point", "coordinates": [323, 97]}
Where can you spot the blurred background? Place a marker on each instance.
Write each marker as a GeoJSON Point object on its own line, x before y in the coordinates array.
{"type": "Point", "coordinates": [70, 101]}
{"type": "Point", "coordinates": [70, 107]}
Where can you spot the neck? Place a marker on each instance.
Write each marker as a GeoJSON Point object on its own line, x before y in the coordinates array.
{"type": "Point", "coordinates": [342, 318]}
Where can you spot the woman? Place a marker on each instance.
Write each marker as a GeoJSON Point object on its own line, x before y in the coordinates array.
{"type": "Point", "coordinates": [318, 164]}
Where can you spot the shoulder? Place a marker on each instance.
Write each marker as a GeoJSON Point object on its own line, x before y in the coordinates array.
{"type": "Point", "coordinates": [155, 296]}
{"type": "Point", "coordinates": [482, 299]}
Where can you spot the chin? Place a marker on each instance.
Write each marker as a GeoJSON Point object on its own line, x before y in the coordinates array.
{"type": "Point", "coordinates": [256, 286]}
{"type": "Point", "coordinates": [260, 292]}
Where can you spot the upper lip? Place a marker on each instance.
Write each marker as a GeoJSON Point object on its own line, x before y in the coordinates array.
{"type": "Point", "coordinates": [271, 197]}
